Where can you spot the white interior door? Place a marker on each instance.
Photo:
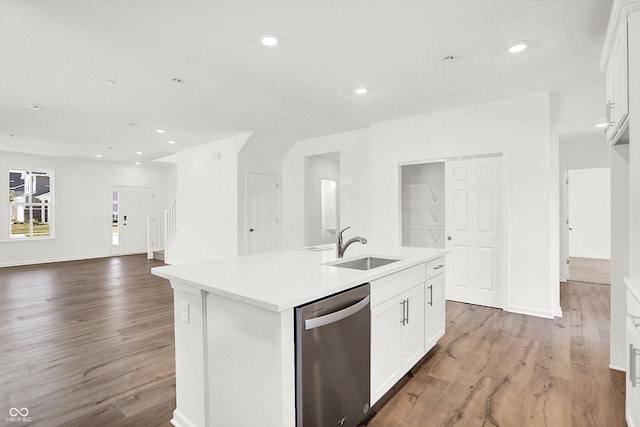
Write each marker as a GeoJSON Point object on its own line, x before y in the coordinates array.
{"type": "Point", "coordinates": [474, 226]}
{"type": "Point", "coordinates": [135, 205]}
{"type": "Point", "coordinates": [262, 204]}
{"type": "Point", "coordinates": [589, 213]}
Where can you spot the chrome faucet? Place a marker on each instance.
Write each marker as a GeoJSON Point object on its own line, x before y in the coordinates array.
{"type": "Point", "coordinates": [340, 248]}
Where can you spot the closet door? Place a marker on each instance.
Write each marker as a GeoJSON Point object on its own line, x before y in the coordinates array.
{"type": "Point", "coordinates": [475, 231]}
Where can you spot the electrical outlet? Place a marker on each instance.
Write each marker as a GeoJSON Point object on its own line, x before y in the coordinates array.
{"type": "Point", "coordinates": [185, 311]}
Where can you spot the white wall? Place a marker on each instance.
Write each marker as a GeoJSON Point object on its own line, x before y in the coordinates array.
{"type": "Point", "coordinates": [520, 128]}
{"type": "Point", "coordinates": [590, 213]}
{"type": "Point", "coordinates": [207, 202]}
{"type": "Point", "coordinates": [317, 168]}
{"type": "Point", "coordinates": [82, 206]}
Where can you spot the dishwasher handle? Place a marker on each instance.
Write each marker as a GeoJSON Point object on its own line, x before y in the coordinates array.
{"type": "Point", "coordinates": [327, 319]}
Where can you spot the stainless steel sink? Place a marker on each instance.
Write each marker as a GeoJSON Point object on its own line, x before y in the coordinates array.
{"type": "Point", "coordinates": [366, 263]}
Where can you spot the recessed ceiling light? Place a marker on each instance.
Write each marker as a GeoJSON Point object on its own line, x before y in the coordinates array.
{"type": "Point", "coordinates": [98, 155]}
{"type": "Point", "coordinates": [171, 142]}
{"type": "Point", "coordinates": [161, 130]}
{"type": "Point", "coordinates": [601, 125]}
{"type": "Point", "coordinates": [137, 163]}
{"type": "Point", "coordinates": [269, 40]}
{"type": "Point", "coordinates": [139, 152]}
{"type": "Point", "coordinates": [34, 107]}
{"type": "Point", "coordinates": [518, 47]}
{"type": "Point", "coordinates": [360, 90]}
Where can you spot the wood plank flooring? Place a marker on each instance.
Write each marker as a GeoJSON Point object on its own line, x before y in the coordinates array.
{"type": "Point", "coordinates": [87, 343]}
{"type": "Point", "coordinates": [494, 368]}
{"type": "Point", "coordinates": [590, 270]}
{"type": "Point", "coordinates": [90, 343]}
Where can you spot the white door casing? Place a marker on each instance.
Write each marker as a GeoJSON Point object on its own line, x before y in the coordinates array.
{"type": "Point", "coordinates": [262, 208]}
{"type": "Point", "coordinates": [135, 205]}
{"type": "Point", "coordinates": [475, 223]}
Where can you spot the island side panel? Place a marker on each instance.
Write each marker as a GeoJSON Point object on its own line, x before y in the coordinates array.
{"type": "Point", "coordinates": [251, 364]}
{"type": "Point", "coordinates": [190, 332]}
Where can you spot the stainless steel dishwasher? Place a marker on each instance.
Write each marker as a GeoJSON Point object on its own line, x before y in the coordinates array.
{"type": "Point", "coordinates": [333, 341]}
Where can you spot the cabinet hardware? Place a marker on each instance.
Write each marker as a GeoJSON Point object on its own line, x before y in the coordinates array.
{"type": "Point", "coordinates": [633, 375]}
{"type": "Point", "coordinates": [438, 267]}
{"type": "Point", "coordinates": [431, 295]}
{"type": "Point", "coordinates": [636, 321]}
{"type": "Point", "coordinates": [610, 116]}
{"type": "Point", "coordinates": [407, 311]}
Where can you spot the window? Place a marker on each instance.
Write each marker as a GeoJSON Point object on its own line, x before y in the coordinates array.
{"type": "Point", "coordinates": [30, 204]}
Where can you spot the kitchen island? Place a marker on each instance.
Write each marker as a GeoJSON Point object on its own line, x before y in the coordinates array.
{"type": "Point", "coordinates": [234, 326]}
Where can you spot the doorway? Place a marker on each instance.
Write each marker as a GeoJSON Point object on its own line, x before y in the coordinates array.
{"type": "Point", "coordinates": [130, 207]}
{"type": "Point", "coordinates": [588, 225]}
{"type": "Point", "coordinates": [322, 198]}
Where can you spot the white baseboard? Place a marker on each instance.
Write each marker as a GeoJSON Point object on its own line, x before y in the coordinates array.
{"type": "Point", "coordinates": [51, 260]}
{"type": "Point", "coordinates": [530, 312]}
{"type": "Point", "coordinates": [617, 368]}
{"type": "Point", "coordinates": [63, 259]}
{"type": "Point", "coordinates": [181, 420]}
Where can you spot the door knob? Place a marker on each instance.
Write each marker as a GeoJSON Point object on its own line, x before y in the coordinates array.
{"type": "Point", "coordinates": [448, 237]}
{"type": "Point", "coordinates": [570, 229]}
{"type": "Point", "coordinates": [251, 230]}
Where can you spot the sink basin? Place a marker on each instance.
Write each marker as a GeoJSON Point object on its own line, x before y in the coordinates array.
{"type": "Point", "coordinates": [366, 263]}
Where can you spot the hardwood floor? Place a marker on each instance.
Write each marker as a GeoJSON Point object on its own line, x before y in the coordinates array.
{"type": "Point", "coordinates": [87, 343]}
{"type": "Point", "coordinates": [494, 368]}
{"type": "Point", "coordinates": [590, 270]}
{"type": "Point", "coordinates": [90, 343]}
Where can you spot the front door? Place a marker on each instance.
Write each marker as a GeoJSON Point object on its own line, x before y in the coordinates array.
{"type": "Point", "coordinates": [262, 192]}
{"type": "Point", "coordinates": [134, 207]}
{"type": "Point", "coordinates": [475, 224]}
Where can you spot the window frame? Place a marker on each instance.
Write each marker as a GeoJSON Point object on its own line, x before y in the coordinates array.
{"type": "Point", "coordinates": [48, 206]}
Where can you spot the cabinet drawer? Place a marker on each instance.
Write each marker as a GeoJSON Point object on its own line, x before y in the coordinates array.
{"type": "Point", "coordinates": [394, 284]}
{"type": "Point", "coordinates": [435, 267]}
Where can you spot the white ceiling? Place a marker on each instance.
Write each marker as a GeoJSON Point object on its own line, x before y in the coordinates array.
{"type": "Point", "coordinates": [58, 53]}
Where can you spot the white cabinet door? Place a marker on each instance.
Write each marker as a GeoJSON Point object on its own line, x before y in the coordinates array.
{"type": "Point", "coordinates": [434, 311]}
{"type": "Point", "coordinates": [397, 339]}
{"type": "Point", "coordinates": [633, 372]}
{"type": "Point", "coordinates": [617, 85]}
{"type": "Point", "coordinates": [413, 327]}
{"type": "Point", "coordinates": [386, 341]}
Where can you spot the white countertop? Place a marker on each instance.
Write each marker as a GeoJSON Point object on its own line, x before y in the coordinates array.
{"type": "Point", "coordinates": [282, 280]}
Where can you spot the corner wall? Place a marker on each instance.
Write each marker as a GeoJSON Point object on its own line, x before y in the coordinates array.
{"type": "Point", "coordinates": [206, 202]}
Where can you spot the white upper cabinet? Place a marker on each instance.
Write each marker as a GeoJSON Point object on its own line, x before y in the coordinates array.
{"type": "Point", "coordinates": [617, 86]}
{"type": "Point", "coordinates": [615, 65]}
